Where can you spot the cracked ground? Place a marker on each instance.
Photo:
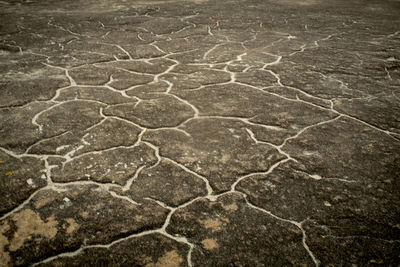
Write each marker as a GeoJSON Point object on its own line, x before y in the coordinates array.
{"type": "Point", "coordinates": [199, 133]}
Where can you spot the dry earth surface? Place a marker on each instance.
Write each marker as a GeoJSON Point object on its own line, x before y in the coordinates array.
{"type": "Point", "coordinates": [199, 133]}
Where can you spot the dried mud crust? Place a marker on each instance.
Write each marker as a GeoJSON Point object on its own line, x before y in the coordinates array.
{"type": "Point", "coordinates": [199, 133]}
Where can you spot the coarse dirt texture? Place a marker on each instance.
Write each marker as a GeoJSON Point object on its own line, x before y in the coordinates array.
{"type": "Point", "coordinates": [200, 133]}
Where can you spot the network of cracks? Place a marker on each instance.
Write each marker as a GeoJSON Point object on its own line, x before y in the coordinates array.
{"type": "Point", "coordinates": [190, 134]}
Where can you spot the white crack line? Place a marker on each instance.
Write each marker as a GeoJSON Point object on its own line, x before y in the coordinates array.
{"type": "Point", "coordinates": [273, 167]}
{"type": "Point", "coordinates": [320, 178]}
{"type": "Point", "coordinates": [82, 248]}
{"type": "Point", "coordinates": [129, 183]}
{"type": "Point", "coordinates": [22, 205]}
{"type": "Point", "coordinates": [308, 127]}
{"type": "Point", "coordinates": [71, 80]}
{"type": "Point", "coordinates": [277, 147]}
{"type": "Point", "coordinates": [43, 140]}
{"type": "Point", "coordinates": [123, 50]}
{"type": "Point", "coordinates": [210, 191]}
{"type": "Point", "coordinates": [299, 225]}
{"type": "Point", "coordinates": [161, 231]}
{"type": "Point", "coordinates": [37, 115]}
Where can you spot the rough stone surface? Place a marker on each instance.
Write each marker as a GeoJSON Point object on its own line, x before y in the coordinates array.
{"type": "Point", "coordinates": [167, 182]}
{"type": "Point", "coordinates": [165, 111]}
{"type": "Point", "coordinates": [115, 165]}
{"type": "Point", "coordinates": [28, 72]}
{"type": "Point", "coordinates": [20, 178]}
{"type": "Point", "coordinates": [216, 148]}
{"type": "Point", "coordinates": [199, 133]}
{"type": "Point", "coordinates": [108, 133]}
{"type": "Point", "coordinates": [225, 229]}
{"type": "Point", "coordinates": [150, 250]}
{"type": "Point", "coordinates": [58, 221]}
